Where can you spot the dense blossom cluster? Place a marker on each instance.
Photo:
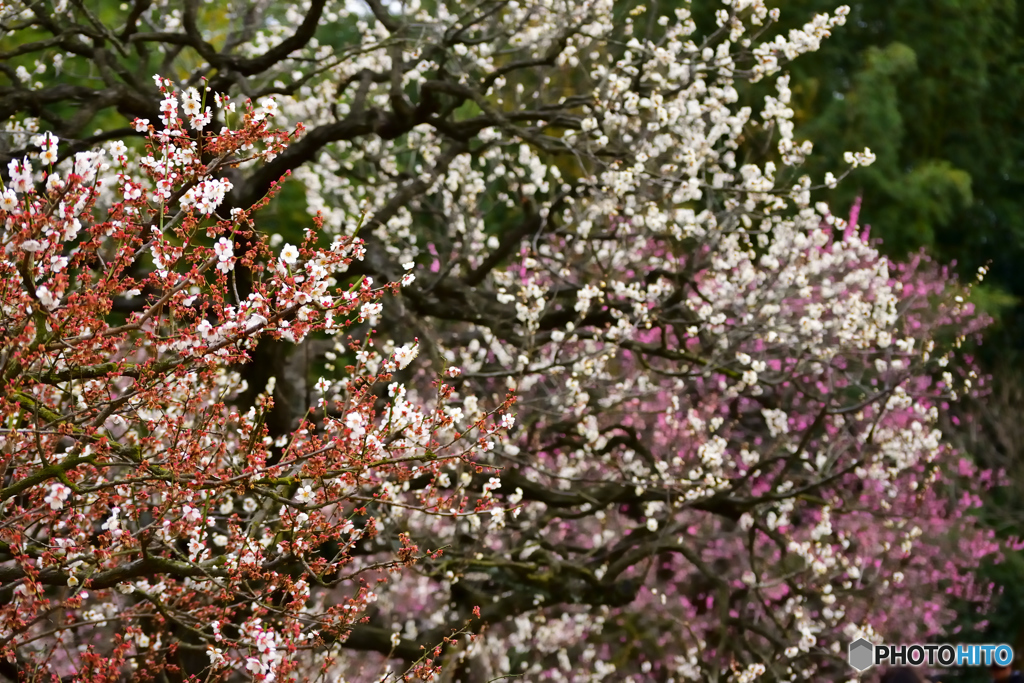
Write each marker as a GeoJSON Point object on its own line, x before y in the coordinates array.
{"type": "Point", "coordinates": [136, 497]}
{"type": "Point", "coordinates": [724, 461]}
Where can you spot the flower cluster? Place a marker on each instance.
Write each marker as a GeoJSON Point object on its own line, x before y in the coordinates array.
{"type": "Point", "coordinates": [125, 452]}
{"type": "Point", "coordinates": [234, 455]}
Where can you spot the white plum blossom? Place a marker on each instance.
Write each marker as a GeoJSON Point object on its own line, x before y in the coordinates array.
{"type": "Point", "coordinates": [8, 200]}
{"type": "Point", "coordinates": [224, 249]}
{"type": "Point", "coordinates": [207, 195]}
{"type": "Point", "coordinates": [405, 354]}
{"type": "Point", "coordinates": [47, 298]}
{"type": "Point", "coordinates": [57, 495]}
{"type": "Point", "coordinates": [289, 254]}
{"type": "Point", "coordinates": [305, 494]}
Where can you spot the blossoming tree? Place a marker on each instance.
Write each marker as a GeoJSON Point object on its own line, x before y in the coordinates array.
{"type": "Point", "coordinates": [566, 377]}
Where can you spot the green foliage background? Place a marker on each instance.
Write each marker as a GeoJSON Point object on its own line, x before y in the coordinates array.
{"type": "Point", "coordinates": [936, 89]}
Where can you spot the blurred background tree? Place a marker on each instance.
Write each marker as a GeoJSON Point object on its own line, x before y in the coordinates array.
{"type": "Point", "coordinates": [936, 89]}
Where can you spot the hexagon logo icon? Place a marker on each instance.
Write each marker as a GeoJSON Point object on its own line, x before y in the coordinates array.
{"type": "Point", "coordinates": [862, 654]}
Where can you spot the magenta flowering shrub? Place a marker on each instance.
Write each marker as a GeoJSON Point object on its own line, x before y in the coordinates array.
{"type": "Point", "coordinates": [566, 376]}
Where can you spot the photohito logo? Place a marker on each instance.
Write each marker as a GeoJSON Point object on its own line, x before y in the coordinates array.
{"type": "Point", "coordinates": [863, 655]}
